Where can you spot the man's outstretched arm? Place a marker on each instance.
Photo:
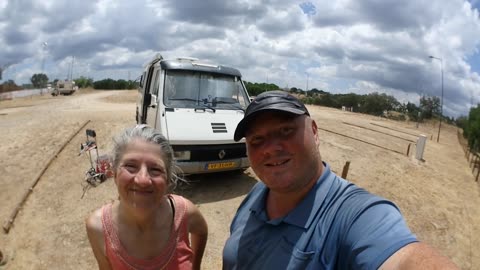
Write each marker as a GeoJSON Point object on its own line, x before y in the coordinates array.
{"type": "Point", "coordinates": [417, 256]}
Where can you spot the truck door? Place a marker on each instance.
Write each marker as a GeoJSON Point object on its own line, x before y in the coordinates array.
{"type": "Point", "coordinates": [152, 108]}
{"type": "Point", "coordinates": [147, 96]}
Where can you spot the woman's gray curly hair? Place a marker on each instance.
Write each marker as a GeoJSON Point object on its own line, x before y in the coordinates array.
{"type": "Point", "coordinates": [148, 134]}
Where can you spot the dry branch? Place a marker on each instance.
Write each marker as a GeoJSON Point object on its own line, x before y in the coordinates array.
{"type": "Point", "coordinates": [9, 222]}
{"type": "Point", "coordinates": [353, 138]}
{"type": "Point", "coordinates": [416, 135]}
{"type": "Point", "coordinates": [408, 140]}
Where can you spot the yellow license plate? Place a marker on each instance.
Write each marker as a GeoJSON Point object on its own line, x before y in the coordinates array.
{"type": "Point", "coordinates": [222, 165]}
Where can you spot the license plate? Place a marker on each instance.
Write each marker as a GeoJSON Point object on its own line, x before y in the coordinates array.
{"type": "Point", "coordinates": [222, 165]}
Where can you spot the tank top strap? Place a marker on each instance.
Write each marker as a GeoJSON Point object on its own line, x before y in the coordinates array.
{"type": "Point", "coordinates": [108, 229]}
{"type": "Point", "coordinates": [181, 217]}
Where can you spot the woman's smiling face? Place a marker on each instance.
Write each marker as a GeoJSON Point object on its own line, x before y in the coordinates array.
{"type": "Point", "coordinates": [141, 176]}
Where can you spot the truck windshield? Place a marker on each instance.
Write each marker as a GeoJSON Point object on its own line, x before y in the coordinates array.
{"type": "Point", "coordinates": [192, 89]}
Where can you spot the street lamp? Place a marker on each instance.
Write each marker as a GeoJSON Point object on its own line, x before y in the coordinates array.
{"type": "Point", "coordinates": [441, 102]}
{"type": "Point", "coordinates": [306, 88]}
{"type": "Point", "coordinates": [44, 48]}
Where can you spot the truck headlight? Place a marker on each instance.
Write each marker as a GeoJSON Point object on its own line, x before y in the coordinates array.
{"type": "Point", "coordinates": [181, 155]}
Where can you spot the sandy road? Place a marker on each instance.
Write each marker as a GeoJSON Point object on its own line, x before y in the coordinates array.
{"type": "Point", "coordinates": [438, 197]}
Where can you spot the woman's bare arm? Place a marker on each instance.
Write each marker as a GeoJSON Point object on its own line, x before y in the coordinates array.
{"type": "Point", "coordinates": [198, 229]}
{"type": "Point", "coordinates": [95, 235]}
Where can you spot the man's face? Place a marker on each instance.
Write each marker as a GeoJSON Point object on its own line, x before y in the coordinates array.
{"type": "Point", "coordinates": [283, 150]}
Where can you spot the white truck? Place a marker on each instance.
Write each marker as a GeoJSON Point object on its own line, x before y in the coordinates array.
{"type": "Point", "coordinates": [64, 88]}
{"type": "Point", "coordinates": [196, 106]}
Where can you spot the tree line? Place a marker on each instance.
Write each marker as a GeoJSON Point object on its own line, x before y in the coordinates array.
{"type": "Point", "coordinates": [41, 80]}
{"type": "Point", "coordinates": [374, 103]}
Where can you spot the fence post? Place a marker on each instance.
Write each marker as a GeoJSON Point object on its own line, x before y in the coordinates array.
{"type": "Point", "coordinates": [345, 170]}
{"type": "Point", "coordinates": [474, 163]}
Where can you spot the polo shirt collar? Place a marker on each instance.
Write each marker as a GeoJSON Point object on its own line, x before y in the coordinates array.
{"type": "Point", "coordinates": [304, 214]}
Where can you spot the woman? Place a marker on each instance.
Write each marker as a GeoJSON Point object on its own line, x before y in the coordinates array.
{"type": "Point", "coordinates": [147, 228]}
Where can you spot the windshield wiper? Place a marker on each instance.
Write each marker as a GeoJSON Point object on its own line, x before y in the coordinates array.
{"type": "Point", "coordinates": [197, 105]}
{"type": "Point", "coordinates": [203, 106]}
{"type": "Point", "coordinates": [186, 99]}
{"type": "Point", "coordinates": [232, 102]}
{"type": "Point", "coordinates": [234, 105]}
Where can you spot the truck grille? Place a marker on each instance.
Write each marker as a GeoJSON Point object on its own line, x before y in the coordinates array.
{"type": "Point", "coordinates": [212, 152]}
{"type": "Point", "coordinates": [219, 128]}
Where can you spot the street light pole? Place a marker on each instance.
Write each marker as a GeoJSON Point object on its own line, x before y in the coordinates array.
{"type": "Point", "coordinates": [306, 88]}
{"type": "Point", "coordinates": [44, 48]}
{"type": "Point", "coordinates": [441, 102]}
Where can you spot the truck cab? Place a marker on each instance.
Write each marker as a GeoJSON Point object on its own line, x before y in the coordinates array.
{"type": "Point", "coordinates": [196, 106]}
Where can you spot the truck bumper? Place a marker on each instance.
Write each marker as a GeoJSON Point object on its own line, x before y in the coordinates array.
{"type": "Point", "coordinates": [201, 167]}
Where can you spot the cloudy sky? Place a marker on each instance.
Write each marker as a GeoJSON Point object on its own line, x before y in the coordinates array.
{"type": "Point", "coordinates": [342, 46]}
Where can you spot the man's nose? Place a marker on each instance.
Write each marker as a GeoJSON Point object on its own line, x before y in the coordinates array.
{"type": "Point", "coordinates": [272, 144]}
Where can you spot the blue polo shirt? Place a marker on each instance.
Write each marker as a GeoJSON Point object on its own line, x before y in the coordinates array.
{"type": "Point", "coordinates": [336, 226]}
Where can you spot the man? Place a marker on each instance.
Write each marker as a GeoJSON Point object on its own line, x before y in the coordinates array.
{"type": "Point", "coordinates": [303, 216]}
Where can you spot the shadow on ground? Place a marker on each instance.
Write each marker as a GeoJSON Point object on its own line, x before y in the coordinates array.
{"type": "Point", "coordinates": [215, 187]}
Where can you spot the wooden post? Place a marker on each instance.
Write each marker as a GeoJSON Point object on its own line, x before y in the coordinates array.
{"type": "Point", "coordinates": [408, 149]}
{"type": "Point", "coordinates": [345, 170]}
{"type": "Point", "coordinates": [474, 162]}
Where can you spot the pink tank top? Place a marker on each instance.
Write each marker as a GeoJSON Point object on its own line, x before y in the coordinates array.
{"type": "Point", "coordinates": [177, 254]}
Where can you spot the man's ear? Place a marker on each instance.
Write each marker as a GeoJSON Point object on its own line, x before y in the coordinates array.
{"type": "Point", "coordinates": [315, 132]}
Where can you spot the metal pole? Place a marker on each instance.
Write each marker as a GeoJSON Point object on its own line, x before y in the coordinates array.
{"type": "Point", "coordinates": [306, 88]}
{"type": "Point", "coordinates": [441, 101]}
{"type": "Point", "coordinates": [441, 105]}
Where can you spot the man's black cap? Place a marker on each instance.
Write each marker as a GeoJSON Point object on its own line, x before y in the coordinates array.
{"type": "Point", "coordinates": [269, 101]}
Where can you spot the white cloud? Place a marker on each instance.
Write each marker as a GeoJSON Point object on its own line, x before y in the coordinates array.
{"type": "Point", "coordinates": [343, 46]}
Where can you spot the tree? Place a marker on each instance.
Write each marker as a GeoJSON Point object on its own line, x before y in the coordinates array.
{"type": "Point", "coordinates": [349, 100]}
{"type": "Point", "coordinates": [430, 106]}
{"type": "Point", "coordinates": [376, 104]}
{"type": "Point", "coordinates": [462, 123]}
{"type": "Point", "coordinates": [255, 89]}
{"type": "Point", "coordinates": [473, 129]}
{"type": "Point", "coordinates": [39, 80]}
{"type": "Point", "coordinates": [413, 112]}
{"type": "Point", "coordinates": [9, 85]}
{"type": "Point", "coordinates": [109, 84]}
{"type": "Point", "coordinates": [84, 82]}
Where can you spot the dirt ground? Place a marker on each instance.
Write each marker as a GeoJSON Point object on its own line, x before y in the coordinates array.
{"type": "Point", "coordinates": [439, 196]}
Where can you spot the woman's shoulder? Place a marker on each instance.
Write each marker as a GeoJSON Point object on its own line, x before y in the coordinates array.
{"type": "Point", "coordinates": [94, 227]}
{"type": "Point", "coordinates": [95, 234]}
{"type": "Point", "coordinates": [94, 220]}
{"type": "Point", "coordinates": [178, 199]}
{"type": "Point", "coordinates": [186, 205]}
